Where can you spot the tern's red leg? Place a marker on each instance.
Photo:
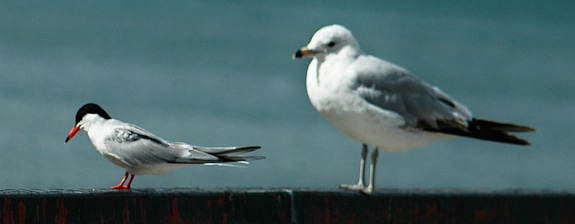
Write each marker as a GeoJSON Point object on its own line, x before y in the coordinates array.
{"type": "Point", "coordinates": [129, 182]}
{"type": "Point", "coordinates": [121, 184]}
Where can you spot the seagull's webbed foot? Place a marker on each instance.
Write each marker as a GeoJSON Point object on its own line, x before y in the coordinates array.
{"type": "Point", "coordinates": [360, 186]}
{"type": "Point", "coordinates": [360, 183]}
{"type": "Point", "coordinates": [353, 187]}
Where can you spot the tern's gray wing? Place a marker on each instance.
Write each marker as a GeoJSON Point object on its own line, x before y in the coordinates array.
{"type": "Point", "coordinates": [135, 146]}
{"type": "Point", "coordinates": [393, 88]}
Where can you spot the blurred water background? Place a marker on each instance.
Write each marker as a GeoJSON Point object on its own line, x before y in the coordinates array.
{"type": "Point", "coordinates": [218, 73]}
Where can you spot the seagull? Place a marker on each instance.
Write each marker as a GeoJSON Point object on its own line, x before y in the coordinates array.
{"type": "Point", "coordinates": [141, 152]}
{"type": "Point", "coordinates": [383, 105]}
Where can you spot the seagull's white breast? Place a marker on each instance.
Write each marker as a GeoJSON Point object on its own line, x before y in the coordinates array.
{"type": "Point", "coordinates": [329, 88]}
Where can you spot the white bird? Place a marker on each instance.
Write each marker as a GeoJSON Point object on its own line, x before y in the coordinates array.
{"type": "Point", "coordinates": [141, 152]}
{"type": "Point", "coordinates": [381, 104]}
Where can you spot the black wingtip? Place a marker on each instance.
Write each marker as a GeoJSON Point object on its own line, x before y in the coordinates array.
{"type": "Point", "coordinates": [502, 126]}
{"type": "Point", "coordinates": [488, 130]}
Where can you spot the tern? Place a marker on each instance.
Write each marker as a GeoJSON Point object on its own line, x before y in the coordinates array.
{"type": "Point", "coordinates": [140, 152]}
{"type": "Point", "coordinates": [383, 105]}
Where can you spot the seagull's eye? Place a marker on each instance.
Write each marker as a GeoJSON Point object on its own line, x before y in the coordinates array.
{"type": "Point", "coordinates": [331, 44]}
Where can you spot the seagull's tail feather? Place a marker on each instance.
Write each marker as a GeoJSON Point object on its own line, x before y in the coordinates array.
{"type": "Point", "coordinates": [490, 130]}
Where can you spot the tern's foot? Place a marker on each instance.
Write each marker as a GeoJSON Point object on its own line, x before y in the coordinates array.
{"type": "Point", "coordinates": [358, 187]}
{"type": "Point", "coordinates": [120, 187]}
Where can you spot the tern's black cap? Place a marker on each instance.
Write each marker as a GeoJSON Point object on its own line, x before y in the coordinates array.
{"type": "Point", "coordinates": [91, 108]}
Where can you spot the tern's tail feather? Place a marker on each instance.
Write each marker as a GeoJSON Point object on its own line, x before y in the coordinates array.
{"type": "Point", "coordinates": [240, 158]}
{"type": "Point", "coordinates": [214, 155]}
{"type": "Point", "coordinates": [490, 130]}
{"type": "Point", "coordinates": [231, 154]}
{"type": "Point", "coordinates": [221, 151]}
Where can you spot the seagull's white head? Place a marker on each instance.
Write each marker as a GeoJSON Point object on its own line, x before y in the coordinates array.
{"type": "Point", "coordinates": [332, 39]}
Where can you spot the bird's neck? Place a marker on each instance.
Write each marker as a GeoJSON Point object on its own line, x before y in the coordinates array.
{"type": "Point", "coordinates": [344, 54]}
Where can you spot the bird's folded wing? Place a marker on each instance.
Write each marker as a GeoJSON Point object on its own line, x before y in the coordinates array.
{"type": "Point", "coordinates": [393, 88]}
{"type": "Point", "coordinates": [136, 147]}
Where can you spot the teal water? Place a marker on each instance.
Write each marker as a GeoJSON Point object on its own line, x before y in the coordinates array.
{"type": "Point", "coordinates": [220, 73]}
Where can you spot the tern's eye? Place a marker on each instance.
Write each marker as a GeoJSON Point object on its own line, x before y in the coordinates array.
{"type": "Point", "coordinates": [331, 44]}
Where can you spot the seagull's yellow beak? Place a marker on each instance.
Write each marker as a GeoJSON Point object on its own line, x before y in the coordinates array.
{"type": "Point", "coordinates": [303, 52]}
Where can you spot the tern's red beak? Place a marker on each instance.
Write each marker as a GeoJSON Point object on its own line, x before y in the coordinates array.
{"type": "Point", "coordinates": [72, 132]}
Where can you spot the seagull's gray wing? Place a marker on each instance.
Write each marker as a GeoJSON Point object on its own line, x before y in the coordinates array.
{"type": "Point", "coordinates": [393, 88]}
{"type": "Point", "coordinates": [138, 147]}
